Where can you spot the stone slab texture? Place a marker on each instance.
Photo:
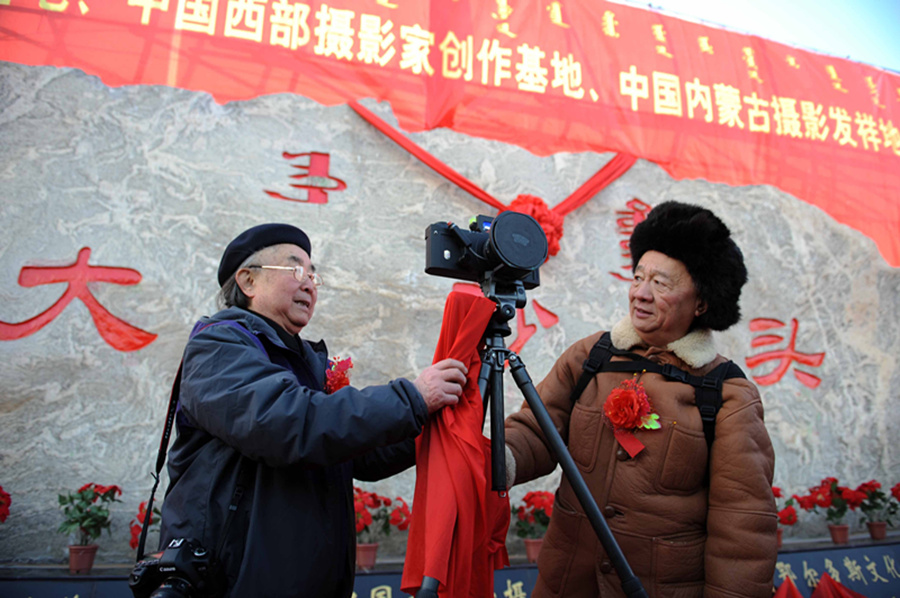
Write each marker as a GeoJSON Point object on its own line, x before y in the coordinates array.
{"type": "Point", "coordinates": [158, 180]}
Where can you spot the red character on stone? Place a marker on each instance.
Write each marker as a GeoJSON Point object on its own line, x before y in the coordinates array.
{"type": "Point", "coordinates": [315, 178]}
{"type": "Point", "coordinates": [627, 219]}
{"type": "Point", "coordinates": [118, 333]}
{"type": "Point", "coordinates": [785, 356]}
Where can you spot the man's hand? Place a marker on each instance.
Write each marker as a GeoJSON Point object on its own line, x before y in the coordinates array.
{"type": "Point", "coordinates": [442, 383]}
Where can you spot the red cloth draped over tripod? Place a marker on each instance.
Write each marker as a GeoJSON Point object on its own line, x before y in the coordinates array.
{"type": "Point", "coordinates": [457, 534]}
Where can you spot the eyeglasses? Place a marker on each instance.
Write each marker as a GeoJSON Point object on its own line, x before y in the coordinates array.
{"type": "Point", "coordinates": [300, 273]}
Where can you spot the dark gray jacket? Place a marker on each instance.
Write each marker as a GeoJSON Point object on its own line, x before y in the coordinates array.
{"type": "Point", "coordinates": [243, 392]}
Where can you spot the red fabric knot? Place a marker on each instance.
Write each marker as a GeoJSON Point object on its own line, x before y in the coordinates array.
{"type": "Point", "coordinates": [550, 221]}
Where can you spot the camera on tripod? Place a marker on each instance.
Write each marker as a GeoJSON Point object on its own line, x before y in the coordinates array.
{"type": "Point", "coordinates": [508, 248]}
{"type": "Point", "coordinates": [184, 568]}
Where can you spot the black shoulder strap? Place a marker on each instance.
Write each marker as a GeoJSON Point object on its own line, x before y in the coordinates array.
{"type": "Point", "coordinates": [599, 355]}
{"type": "Point", "coordinates": [708, 396]}
{"type": "Point", "coordinates": [707, 389]}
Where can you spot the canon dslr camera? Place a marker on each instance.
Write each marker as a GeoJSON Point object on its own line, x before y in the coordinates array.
{"type": "Point", "coordinates": [184, 568]}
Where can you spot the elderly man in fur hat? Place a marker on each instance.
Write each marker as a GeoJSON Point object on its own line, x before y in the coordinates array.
{"type": "Point", "coordinates": [667, 433]}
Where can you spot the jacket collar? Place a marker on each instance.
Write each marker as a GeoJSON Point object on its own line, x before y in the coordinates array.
{"type": "Point", "coordinates": [264, 327]}
{"type": "Point", "coordinates": [697, 348]}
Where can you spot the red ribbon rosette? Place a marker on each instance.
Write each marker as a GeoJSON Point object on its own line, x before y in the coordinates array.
{"type": "Point", "coordinates": [627, 408]}
{"type": "Point", "coordinates": [336, 376]}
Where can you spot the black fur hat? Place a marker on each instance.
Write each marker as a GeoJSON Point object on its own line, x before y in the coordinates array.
{"type": "Point", "coordinates": [700, 240]}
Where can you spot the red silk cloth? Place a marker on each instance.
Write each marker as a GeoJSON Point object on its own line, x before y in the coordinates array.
{"type": "Point", "coordinates": [550, 219]}
{"type": "Point", "coordinates": [787, 589]}
{"type": "Point", "coordinates": [826, 588]}
{"type": "Point", "coordinates": [829, 588]}
{"type": "Point", "coordinates": [457, 533]}
{"type": "Point", "coordinates": [571, 76]}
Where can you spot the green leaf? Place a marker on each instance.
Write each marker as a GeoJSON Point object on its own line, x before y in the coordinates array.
{"type": "Point", "coordinates": [650, 422]}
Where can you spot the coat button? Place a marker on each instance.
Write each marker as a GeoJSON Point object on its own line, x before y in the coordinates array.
{"type": "Point", "coordinates": [606, 567]}
{"type": "Point", "coordinates": [609, 512]}
{"type": "Point", "coordinates": [622, 455]}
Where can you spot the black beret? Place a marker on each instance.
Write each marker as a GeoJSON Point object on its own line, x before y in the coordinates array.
{"type": "Point", "coordinates": [259, 237]}
{"type": "Point", "coordinates": [700, 240]}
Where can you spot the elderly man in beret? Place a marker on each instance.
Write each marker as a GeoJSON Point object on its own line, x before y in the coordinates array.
{"type": "Point", "coordinates": [687, 494]}
{"type": "Point", "coordinates": [262, 466]}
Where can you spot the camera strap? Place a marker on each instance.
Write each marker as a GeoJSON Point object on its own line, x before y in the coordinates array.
{"type": "Point", "coordinates": [160, 459]}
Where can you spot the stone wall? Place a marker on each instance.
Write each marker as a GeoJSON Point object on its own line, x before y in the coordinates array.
{"type": "Point", "coordinates": [158, 180]}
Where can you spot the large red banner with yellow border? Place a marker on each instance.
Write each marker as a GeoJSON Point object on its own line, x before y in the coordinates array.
{"type": "Point", "coordinates": [549, 76]}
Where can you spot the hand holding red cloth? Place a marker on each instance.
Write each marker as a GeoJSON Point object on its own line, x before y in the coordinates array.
{"type": "Point", "coordinates": [457, 533]}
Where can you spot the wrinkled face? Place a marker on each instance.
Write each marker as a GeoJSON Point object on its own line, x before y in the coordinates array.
{"type": "Point", "coordinates": [277, 294]}
{"type": "Point", "coordinates": [662, 301]}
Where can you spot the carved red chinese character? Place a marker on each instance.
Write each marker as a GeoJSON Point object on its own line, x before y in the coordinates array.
{"type": "Point", "coordinates": [315, 177]}
{"type": "Point", "coordinates": [785, 357]}
{"type": "Point", "coordinates": [118, 333]}
{"type": "Point", "coordinates": [627, 219]}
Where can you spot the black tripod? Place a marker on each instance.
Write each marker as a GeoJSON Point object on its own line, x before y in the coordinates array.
{"type": "Point", "coordinates": [494, 356]}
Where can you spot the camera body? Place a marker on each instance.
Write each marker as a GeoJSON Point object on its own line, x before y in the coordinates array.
{"type": "Point", "coordinates": [184, 568]}
{"type": "Point", "coordinates": [505, 249]}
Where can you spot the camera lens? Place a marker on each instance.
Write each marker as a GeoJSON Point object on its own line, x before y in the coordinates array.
{"type": "Point", "coordinates": [518, 241]}
{"type": "Point", "coordinates": [172, 588]}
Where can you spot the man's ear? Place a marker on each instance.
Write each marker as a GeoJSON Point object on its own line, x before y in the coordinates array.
{"type": "Point", "coordinates": [701, 309]}
{"type": "Point", "coordinates": [244, 279]}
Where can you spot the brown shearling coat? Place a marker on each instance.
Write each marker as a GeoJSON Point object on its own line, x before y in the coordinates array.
{"type": "Point", "coordinates": [681, 537]}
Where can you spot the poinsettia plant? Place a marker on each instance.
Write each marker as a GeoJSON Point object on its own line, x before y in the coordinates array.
{"type": "Point", "coordinates": [787, 515]}
{"type": "Point", "coordinates": [837, 500]}
{"type": "Point", "coordinates": [877, 505]}
{"type": "Point", "coordinates": [376, 514]}
{"type": "Point", "coordinates": [137, 524]}
{"type": "Point", "coordinates": [87, 512]}
{"type": "Point", "coordinates": [533, 516]}
{"type": "Point", "coordinates": [5, 501]}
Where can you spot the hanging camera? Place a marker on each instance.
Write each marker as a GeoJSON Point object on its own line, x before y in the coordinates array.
{"type": "Point", "coordinates": [183, 569]}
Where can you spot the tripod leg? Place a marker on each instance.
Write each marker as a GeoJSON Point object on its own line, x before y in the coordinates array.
{"type": "Point", "coordinates": [498, 433]}
{"type": "Point", "coordinates": [631, 585]}
{"type": "Point", "coordinates": [429, 588]}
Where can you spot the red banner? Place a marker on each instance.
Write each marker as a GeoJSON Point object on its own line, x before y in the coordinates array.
{"type": "Point", "coordinates": [549, 76]}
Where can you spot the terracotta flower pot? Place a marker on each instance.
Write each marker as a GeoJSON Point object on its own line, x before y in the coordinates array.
{"type": "Point", "coordinates": [365, 556]}
{"type": "Point", "coordinates": [81, 558]}
{"type": "Point", "coordinates": [533, 548]}
{"type": "Point", "coordinates": [840, 533]}
{"type": "Point", "coordinates": [877, 529]}
{"type": "Point", "coordinates": [779, 534]}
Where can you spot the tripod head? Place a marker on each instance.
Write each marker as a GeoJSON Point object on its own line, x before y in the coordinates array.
{"type": "Point", "coordinates": [509, 296]}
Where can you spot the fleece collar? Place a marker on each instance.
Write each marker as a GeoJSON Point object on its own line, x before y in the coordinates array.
{"type": "Point", "coordinates": [697, 348]}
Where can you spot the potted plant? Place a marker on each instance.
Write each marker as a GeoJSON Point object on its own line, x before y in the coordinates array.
{"type": "Point", "coordinates": [532, 518]}
{"type": "Point", "coordinates": [137, 524]}
{"type": "Point", "coordinates": [375, 514]}
{"type": "Point", "coordinates": [787, 515]}
{"type": "Point", "coordinates": [5, 501]}
{"type": "Point", "coordinates": [86, 514]}
{"type": "Point", "coordinates": [836, 500]}
{"type": "Point", "coordinates": [877, 508]}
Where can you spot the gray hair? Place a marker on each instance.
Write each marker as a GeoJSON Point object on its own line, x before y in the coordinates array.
{"type": "Point", "coordinates": [231, 295]}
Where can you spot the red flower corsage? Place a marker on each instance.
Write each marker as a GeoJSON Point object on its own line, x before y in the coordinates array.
{"type": "Point", "coordinates": [627, 408]}
{"type": "Point", "coordinates": [336, 376]}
